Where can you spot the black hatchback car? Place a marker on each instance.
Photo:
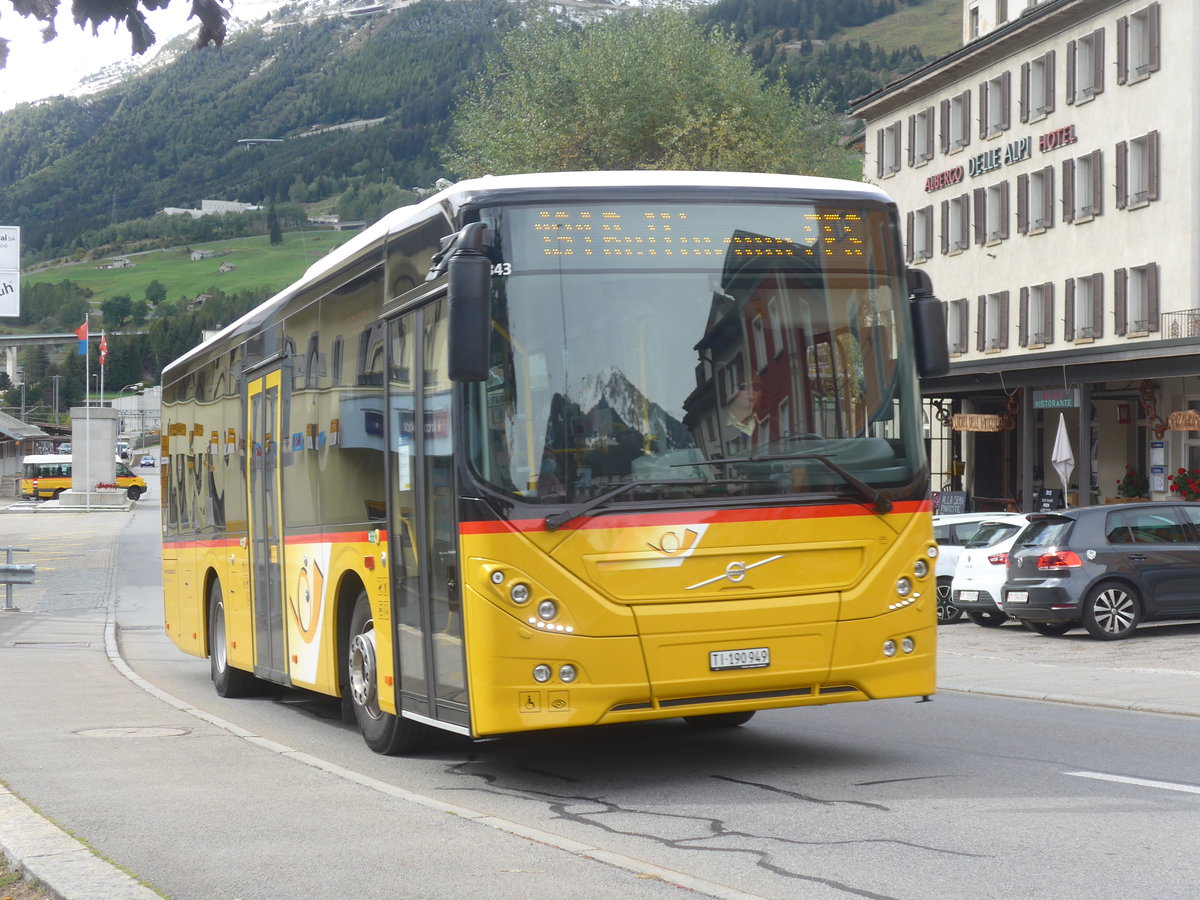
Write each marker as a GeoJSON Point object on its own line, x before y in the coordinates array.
{"type": "Point", "coordinates": [1106, 568]}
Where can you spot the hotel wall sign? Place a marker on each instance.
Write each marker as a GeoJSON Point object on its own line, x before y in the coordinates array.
{"type": "Point", "coordinates": [1188, 420]}
{"type": "Point", "coordinates": [998, 157]}
{"type": "Point", "coordinates": [975, 422]}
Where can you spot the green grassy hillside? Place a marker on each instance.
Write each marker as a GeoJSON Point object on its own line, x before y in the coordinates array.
{"type": "Point", "coordinates": [933, 25]}
{"type": "Point", "coordinates": [259, 265]}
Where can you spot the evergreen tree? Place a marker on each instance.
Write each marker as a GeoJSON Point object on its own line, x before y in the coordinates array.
{"type": "Point", "coordinates": [273, 226]}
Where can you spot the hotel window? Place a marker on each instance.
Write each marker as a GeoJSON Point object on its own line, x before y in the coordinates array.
{"type": "Point", "coordinates": [992, 332]}
{"type": "Point", "coordinates": [1035, 328]}
{"type": "Point", "coordinates": [1037, 88]}
{"type": "Point", "coordinates": [920, 234]}
{"type": "Point", "coordinates": [1137, 171]}
{"type": "Point", "coordinates": [991, 213]}
{"type": "Point", "coordinates": [888, 145]}
{"type": "Point", "coordinates": [1001, 11]}
{"type": "Point", "coordinates": [776, 325]}
{"type": "Point", "coordinates": [956, 122]}
{"type": "Point", "coordinates": [994, 103]}
{"type": "Point", "coordinates": [1035, 201]}
{"type": "Point", "coordinates": [957, 329]}
{"type": "Point", "coordinates": [1135, 300]}
{"type": "Point", "coordinates": [760, 343]}
{"type": "Point", "coordinates": [956, 224]}
{"type": "Point", "coordinates": [920, 137]}
{"type": "Point", "coordinates": [973, 19]}
{"type": "Point", "coordinates": [785, 418]}
{"type": "Point", "coordinates": [1083, 188]}
{"type": "Point", "coordinates": [1085, 67]}
{"type": "Point", "coordinates": [1084, 309]}
{"type": "Point", "coordinates": [1139, 43]}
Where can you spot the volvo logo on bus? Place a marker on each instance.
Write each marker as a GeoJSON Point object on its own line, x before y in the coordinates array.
{"type": "Point", "coordinates": [736, 571]}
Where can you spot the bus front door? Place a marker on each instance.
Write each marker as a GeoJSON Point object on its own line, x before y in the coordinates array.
{"type": "Point", "coordinates": [423, 521]}
{"type": "Point", "coordinates": [266, 538]}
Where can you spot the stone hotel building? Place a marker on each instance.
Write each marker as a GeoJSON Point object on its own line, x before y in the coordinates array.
{"type": "Point", "coordinates": [1046, 173]}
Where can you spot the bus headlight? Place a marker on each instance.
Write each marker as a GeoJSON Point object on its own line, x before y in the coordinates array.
{"type": "Point", "coordinates": [903, 587]}
{"type": "Point", "coordinates": [547, 609]}
{"type": "Point", "coordinates": [920, 568]}
{"type": "Point", "coordinates": [567, 674]}
{"type": "Point", "coordinates": [541, 673]}
{"type": "Point", "coordinates": [908, 645]}
{"type": "Point", "coordinates": [889, 649]}
{"type": "Point", "coordinates": [519, 593]}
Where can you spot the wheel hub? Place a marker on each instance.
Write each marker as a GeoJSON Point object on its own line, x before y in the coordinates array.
{"type": "Point", "coordinates": [363, 672]}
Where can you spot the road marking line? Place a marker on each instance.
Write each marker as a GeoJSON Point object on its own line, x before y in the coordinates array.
{"type": "Point", "coordinates": [1141, 782]}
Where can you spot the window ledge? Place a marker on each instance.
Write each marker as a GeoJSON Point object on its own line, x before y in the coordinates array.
{"type": "Point", "coordinates": [1137, 204]}
{"type": "Point", "coordinates": [1035, 346]}
{"type": "Point", "coordinates": [1083, 219]}
{"type": "Point", "coordinates": [1137, 334]}
{"type": "Point", "coordinates": [1135, 77]}
{"type": "Point", "coordinates": [1080, 340]}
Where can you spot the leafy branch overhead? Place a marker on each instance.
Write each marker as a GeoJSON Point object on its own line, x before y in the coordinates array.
{"type": "Point", "coordinates": [211, 13]}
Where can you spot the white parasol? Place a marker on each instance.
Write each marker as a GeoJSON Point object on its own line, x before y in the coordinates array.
{"type": "Point", "coordinates": [1063, 459]}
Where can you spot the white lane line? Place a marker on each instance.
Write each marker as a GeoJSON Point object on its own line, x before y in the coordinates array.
{"type": "Point", "coordinates": [1140, 782]}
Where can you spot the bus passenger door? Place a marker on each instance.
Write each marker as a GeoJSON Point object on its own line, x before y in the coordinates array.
{"type": "Point", "coordinates": [422, 520]}
{"type": "Point", "coordinates": [266, 539]}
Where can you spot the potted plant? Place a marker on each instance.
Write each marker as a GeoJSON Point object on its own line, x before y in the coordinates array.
{"type": "Point", "coordinates": [1186, 483]}
{"type": "Point", "coordinates": [1135, 485]}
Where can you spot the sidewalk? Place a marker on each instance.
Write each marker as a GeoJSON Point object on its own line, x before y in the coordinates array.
{"type": "Point", "coordinates": [68, 693]}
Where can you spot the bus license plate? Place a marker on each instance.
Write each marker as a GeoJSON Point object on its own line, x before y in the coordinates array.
{"type": "Point", "coordinates": [1016, 597]}
{"type": "Point", "coordinates": [752, 658]}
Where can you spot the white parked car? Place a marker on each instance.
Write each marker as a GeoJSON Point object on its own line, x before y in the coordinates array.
{"type": "Point", "coordinates": [983, 568]}
{"type": "Point", "coordinates": [952, 531]}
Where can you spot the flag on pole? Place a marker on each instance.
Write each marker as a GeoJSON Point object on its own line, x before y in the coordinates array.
{"type": "Point", "coordinates": [103, 348]}
{"type": "Point", "coordinates": [82, 333]}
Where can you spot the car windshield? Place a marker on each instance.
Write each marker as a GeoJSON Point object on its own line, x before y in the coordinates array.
{"type": "Point", "coordinates": [698, 349]}
{"type": "Point", "coordinates": [992, 533]}
{"type": "Point", "coordinates": [1047, 532]}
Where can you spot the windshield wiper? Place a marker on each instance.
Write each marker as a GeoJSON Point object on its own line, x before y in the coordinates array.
{"type": "Point", "coordinates": [882, 504]}
{"type": "Point", "coordinates": [558, 519]}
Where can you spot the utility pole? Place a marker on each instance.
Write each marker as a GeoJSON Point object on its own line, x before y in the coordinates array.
{"type": "Point", "coordinates": [55, 378]}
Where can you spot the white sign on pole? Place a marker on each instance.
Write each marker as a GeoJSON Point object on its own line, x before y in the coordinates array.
{"type": "Point", "coordinates": [10, 270]}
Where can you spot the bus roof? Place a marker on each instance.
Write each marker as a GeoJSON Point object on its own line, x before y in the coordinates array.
{"type": "Point", "coordinates": [454, 197]}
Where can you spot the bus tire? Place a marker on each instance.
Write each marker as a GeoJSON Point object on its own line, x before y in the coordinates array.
{"type": "Point", "coordinates": [56, 493]}
{"type": "Point", "coordinates": [229, 681]}
{"type": "Point", "coordinates": [720, 720]}
{"type": "Point", "coordinates": [134, 492]}
{"type": "Point", "coordinates": [383, 732]}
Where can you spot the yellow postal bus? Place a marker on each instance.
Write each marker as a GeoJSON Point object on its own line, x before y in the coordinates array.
{"type": "Point", "coordinates": [572, 449]}
{"type": "Point", "coordinates": [46, 476]}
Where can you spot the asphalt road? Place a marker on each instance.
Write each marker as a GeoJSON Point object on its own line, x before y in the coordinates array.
{"type": "Point", "coordinates": [969, 795]}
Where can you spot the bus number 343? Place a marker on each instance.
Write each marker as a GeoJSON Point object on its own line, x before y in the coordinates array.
{"type": "Point", "coordinates": [502, 269]}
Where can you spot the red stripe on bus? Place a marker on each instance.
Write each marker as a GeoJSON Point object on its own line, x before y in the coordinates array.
{"type": "Point", "coordinates": [342, 537]}
{"type": "Point", "coordinates": [699, 517]}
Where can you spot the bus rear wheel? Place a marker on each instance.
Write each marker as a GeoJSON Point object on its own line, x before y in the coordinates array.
{"type": "Point", "coordinates": [383, 732]}
{"type": "Point", "coordinates": [228, 681]}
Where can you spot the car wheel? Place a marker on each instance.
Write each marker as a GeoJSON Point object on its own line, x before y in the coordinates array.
{"type": "Point", "coordinates": [228, 681]}
{"type": "Point", "coordinates": [383, 732]}
{"type": "Point", "coordinates": [720, 720]}
{"type": "Point", "coordinates": [133, 492]}
{"type": "Point", "coordinates": [986, 617]}
{"type": "Point", "coordinates": [947, 612]}
{"type": "Point", "coordinates": [1111, 612]}
{"type": "Point", "coordinates": [1050, 629]}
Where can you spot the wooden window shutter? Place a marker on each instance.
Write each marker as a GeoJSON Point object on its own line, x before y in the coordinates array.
{"type": "Point", "coordinates": [1122, 50]}
{"type": "Point", "coordinates": [1068, 191]}
{"type": "Point", "coordinates": [929, 119]}
{"type": "Point", "coordinates": [945, 227]}
{"type": "Point", "coordinates": [1069, 312]}
{"type": "Point", "coordinates": [980, 215]}
{"type": "Point", "coordinates": [1048, 99]}
{"type": "Point", "coordinates": [879, 153]}
{"type": "Point", "coordinates": [1023, 319]}
{"type": "Point", "coordinates": [897, 146]}
{"type": "Point", "coordinates": [1097, 184]}
{"type": "Point", "coordinates": [1023, 102]}
{"type": "Point", "coordinates": [1022, 204]}
{"type": "Point", "coordinates": [1152, 158]}
{"type": "Point", "coordinates": [964, 236]}
{"type": "Point", "coordinates": [983, 105]}
{"type": "Point", "coordinates": [1004, 211]}
{"type": "Point", "coordinates": [963, 323]}
{"type": "Point", "coordinates": [1120, 304]}
{"type": "Point", "coordinates": [1048, 195]}
{"type": "Point", "coordinates": [1152, 296]}
{"type": "Point", "coordinates": [1070, 73]}
{"type": "Point", "coordinates": [1006, 100]}
{"type": "Point", "coordinates": [944, 126]}
{"type": "Point", "coordinates": [912, 140]}
{"type": "Point", "coordinates": [965, 137]}
{"type": "Point", "coordinates": [1122, 174]}
{"type": "Point", "coordinates": [908, 236]}
{"type": "Point", "coordinates": [1048, 311]}
{"type": "Point", "coordinates": [929, 230]}
{"type": "Point", "coordinates": [1002, 298]}
{"type": "Point", "coordinates": [981, 325]}
{"type": "Point", "coordinates": [1098, 61]}
{"type": "Point", "coordinates": [1098, 305]}
{"type": "Point", "coordinates": [1155, 23]}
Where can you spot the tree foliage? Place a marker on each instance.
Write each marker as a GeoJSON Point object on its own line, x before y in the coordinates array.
{"type": "Point", "coordinates": [642, 90]}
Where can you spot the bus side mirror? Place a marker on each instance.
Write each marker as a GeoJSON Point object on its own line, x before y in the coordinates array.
{"type": "Point", "coordinates": [470, 290]}
{"type": "Point", "coordinates": [929, 326]}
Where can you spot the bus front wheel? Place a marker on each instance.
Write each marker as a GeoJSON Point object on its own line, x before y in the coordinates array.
{"type": "Point", "coordinates": [383, 732]}
{"type": "Point", "coordinates": [228, 681]}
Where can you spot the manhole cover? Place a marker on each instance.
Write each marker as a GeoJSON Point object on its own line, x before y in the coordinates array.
{"type": "Point", "coordinates": [133, 731]}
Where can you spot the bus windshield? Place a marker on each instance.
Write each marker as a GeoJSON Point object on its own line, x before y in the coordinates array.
{"type": "Point", "coordinates": [708, 349]}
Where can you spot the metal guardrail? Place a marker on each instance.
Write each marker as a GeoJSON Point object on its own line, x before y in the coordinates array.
{"type": "Point", "coordinates": [13, 573]}
{"type": "Point", "coordinates": [1183, 324]}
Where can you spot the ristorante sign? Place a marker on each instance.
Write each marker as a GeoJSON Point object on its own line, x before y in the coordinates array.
{"type": "Point", "coordinates": [1000, 156]}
